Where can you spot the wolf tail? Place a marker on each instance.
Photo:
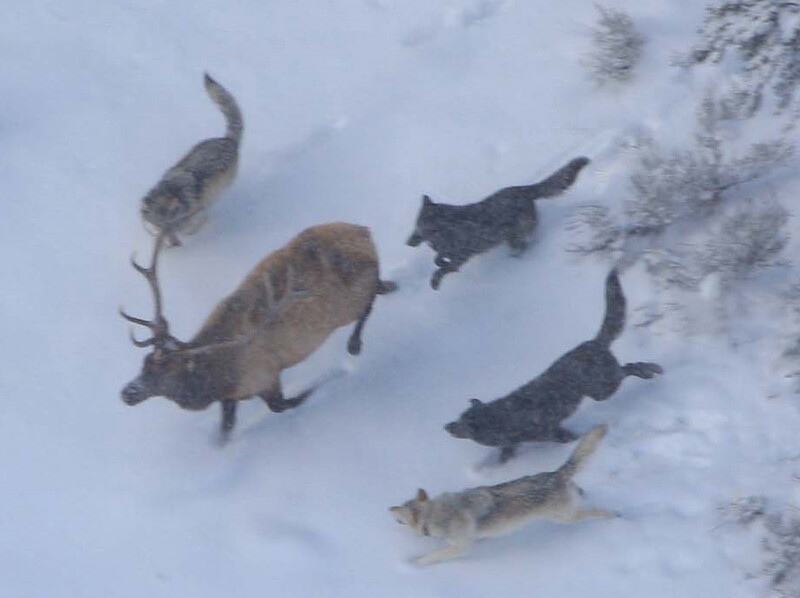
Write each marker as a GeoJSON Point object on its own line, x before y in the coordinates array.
{"type": "Point", "coordinates": [224, 100]}
{"type": "Point", "coordinates": [561, 180]}
{"type": "Point", "coordinates": [586, 447]}
{"type": "Point", "coordinates": [614, 320]}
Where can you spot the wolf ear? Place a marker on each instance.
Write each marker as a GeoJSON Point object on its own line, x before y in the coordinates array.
{"type": "Point", "coordinates": [474, 402]}
{"type": "Point", "coordinates": [426, 201]}
{"type": "Point", "coordinates": [422, 496]}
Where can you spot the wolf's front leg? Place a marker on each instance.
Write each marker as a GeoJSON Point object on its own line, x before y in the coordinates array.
{"type": "Point", "coordinates": [445, 267]}
{"type": "Point", "coordinates": [445, 554]}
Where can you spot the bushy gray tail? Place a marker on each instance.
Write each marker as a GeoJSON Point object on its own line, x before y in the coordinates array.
{"type": "Point", "coordinates": [560, 180]}
{"type": "Point", "coordinates": [614, 320]}
{"type": "Point", "coordinates": [586, 447]}
{"type": "Point", "coordinates": [224, 100]}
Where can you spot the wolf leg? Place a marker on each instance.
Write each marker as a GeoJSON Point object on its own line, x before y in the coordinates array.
{"type": "Point", "coordinates": [441, 261]}
{"type": "Point", "coordinates": [583, 514]}
{"type": "Point", "coordinates": [507, 452]}
{"type": "Point", "coordinates": [195, 223]}
{"type": "Point", "coordinates": [563, 435]}
{"type": "Point", "coordinates": [642, 369]}
{"type": "Point", "coordinates": [173, 240]}
{"type": "Point", "coordinates": [519, 237]}
{"type": "Point", "coordinates": [445, 554]}
{"type": "Point", "coordinates": [518, 245]}
{"type": "Point", "coordinates": [385, 287]}
{"type": "Point", "coordinates": [277, 403]}
{"type": "Point", "coordinates": [444, 269]}
{"type": "Point", "coordinates": [228, 420]}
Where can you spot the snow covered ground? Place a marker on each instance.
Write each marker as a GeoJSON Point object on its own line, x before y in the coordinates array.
{"type": "Point", "coordinates": [352, 110]}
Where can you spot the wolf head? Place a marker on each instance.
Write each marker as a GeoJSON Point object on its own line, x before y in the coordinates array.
{"type": "Point", "coordinates": [413, 512]}
{"type": "Point", "coordinates": [423, 226]}
{"type": "Point", "coordinates": [169, 204]}
{"type": "Point", "coordinates": [469, 424]}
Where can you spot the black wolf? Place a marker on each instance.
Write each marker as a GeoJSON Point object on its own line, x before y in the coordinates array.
{"type": "Point", "coordinates": [456, 233]}
{"type": "Point", "coordinates": [534, 412]}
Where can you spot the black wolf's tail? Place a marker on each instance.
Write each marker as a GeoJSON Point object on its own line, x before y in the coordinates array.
{"type": "Point", "coordinates": [558, 182]}
{"type": "Point", "coordinates": [614, 320]}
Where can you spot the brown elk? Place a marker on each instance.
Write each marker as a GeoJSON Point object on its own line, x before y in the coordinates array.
{"type": "Point", "coordinates": [324, 278]}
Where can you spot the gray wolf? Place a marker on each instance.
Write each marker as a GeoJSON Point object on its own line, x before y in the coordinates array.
{"type": "Point", "coordinates": [534, 412]}
{"type": "Point", "coordinates": [179, 201]}
{"type": "Point", "coordinates": [460, 518]}
{"type": "Point", "coordinates": [456, 233]}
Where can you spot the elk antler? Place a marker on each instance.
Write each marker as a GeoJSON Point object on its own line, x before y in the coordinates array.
{"type": "Point", "coordinates": [161, 337]}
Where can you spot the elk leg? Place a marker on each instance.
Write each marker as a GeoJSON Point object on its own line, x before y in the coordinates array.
{"type": "Point", "coordinates": [277, 403]}
{"type": "Point", "coordinates": [354, 344]}
{"type": "Point", "coordinates": [228, 420]}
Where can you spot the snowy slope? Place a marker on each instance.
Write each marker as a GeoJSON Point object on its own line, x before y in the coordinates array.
{"type": "Point", "coordinates": [352, 110]}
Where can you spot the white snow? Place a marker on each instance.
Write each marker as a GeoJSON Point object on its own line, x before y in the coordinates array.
{"type": "Point", "coordinates": [352, 110]}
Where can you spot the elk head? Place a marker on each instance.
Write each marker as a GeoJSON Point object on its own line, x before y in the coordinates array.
{"type": "Point", "coordinates": [173, 369]}
{"type": "Point", "coordinates": [195, 375]}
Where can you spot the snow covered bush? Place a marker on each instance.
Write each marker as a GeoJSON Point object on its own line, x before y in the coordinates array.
{"type": "Point", "coordinates": [765, 36]}
{"type": "Point", "coordinates": [782, 549]}
{"type": "Point", "coordinates": [616, 47]}
{"type": "Point", "coordinates": [747, 238]}
{"type": "Point", "coordinates": [693, 215]}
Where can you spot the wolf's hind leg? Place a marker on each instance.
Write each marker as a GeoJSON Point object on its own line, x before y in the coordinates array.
{"type": "Point", "coordinates": [507, 452]}
{"type": "Point", "coordinates": [563, 435]}
{"type": "Point", "coordinates": [445, 554]}
{"type": "Point", "coordinates": [519, 237]}
{"type": "Point", "coordinates": [583, 514]}
{"type": "Point", "coordinates": [642, 369]}
{"type": "Point", "coordinates": [195, 223]}
{"type": "Point", "coordinates": [518, 245]}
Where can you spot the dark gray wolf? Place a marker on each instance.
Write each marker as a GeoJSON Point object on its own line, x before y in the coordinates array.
{"type": "Point", "coordinates": [491, 511]}
{"type": "Point", "coordinates": [456, 233]}
{"type": "Point", "coordinates": [534, 412]}
{"type": "Point", "coordinates": [179, 201]}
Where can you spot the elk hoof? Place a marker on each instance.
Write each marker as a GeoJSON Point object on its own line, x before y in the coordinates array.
{"type": "Point", "coordinates": [354, 346]}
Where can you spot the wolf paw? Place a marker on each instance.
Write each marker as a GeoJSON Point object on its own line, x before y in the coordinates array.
{"type": "Point", "coordinates": [643, 369]}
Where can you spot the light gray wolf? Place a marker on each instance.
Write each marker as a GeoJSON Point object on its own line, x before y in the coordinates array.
{"type": "Point", "coordinates": [179, 201]}
{"type": "Point", "coordinates": [534, 412]}
{"type": "Point", "coordinates": [456, 233]}
{"type": "Point", "coordinates": [460, 518]}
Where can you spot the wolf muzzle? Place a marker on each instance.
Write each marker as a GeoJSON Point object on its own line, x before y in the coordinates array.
{"type": "Point", "coordinates": [456, 429]}
{"type": "Point", "coordinates": [414, 240]}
